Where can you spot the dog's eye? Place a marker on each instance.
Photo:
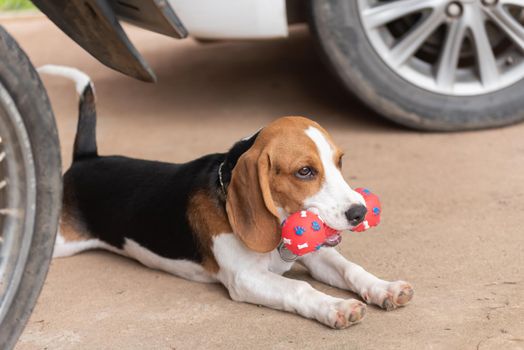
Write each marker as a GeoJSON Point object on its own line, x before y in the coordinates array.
{"type": "Point", "coordinates": [305, 173]}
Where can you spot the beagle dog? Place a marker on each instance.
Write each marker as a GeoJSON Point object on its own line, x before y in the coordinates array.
{"type": "Point", "coordinates": [217, 218]}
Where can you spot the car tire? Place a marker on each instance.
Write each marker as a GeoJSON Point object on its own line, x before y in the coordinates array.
{"type": "Point", "coordinates": [25, 110]}
{"type": "Point", "coordinates": [348, 51]}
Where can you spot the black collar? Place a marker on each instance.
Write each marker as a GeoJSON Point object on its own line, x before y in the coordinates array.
{"type": "Point", "coordinates": [225, 168]}
{"type": "Point", "coordinates": [223, 186]}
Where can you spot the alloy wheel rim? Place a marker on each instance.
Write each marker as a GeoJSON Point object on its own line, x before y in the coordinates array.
{"type": "Point", "coordinates": [458, 48]}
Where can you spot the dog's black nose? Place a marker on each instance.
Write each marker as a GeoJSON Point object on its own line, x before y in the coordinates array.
{"type": "Point", "coordinates": [356, 214]}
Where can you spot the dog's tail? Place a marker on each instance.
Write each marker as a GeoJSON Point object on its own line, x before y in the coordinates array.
{"type": "Point", "coordinates": [85, 140]}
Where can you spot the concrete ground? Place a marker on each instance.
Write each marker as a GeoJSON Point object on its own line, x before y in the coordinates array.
{"type": "Point", "coordinates": [452, 221]}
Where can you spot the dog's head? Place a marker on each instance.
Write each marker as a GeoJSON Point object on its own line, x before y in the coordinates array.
{"type": "Point", "coordinates": [292, 165]}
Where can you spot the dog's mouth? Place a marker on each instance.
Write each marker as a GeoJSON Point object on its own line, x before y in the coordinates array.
{"type": "Point", "coordinates": [333, 237]}
{"type": "Point", "coordinates": [333, 240]}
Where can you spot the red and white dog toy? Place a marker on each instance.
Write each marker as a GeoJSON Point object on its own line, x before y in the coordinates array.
{"type": "Point", "coordinates": [304, 232]}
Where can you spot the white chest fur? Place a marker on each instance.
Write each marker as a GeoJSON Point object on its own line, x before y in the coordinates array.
{"type": "Point", "coordinates": [277, 265]}
{"type": "Point", "coordinates": [229, 251]}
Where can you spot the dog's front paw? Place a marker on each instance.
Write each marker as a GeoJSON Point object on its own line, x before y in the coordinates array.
{"type": "Point", "coordinates": [397, 294]}
{"type": "Point", "coordinates": [347, 313]}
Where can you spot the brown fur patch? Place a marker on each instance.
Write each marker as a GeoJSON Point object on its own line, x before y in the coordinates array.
{"type": "Point", "coordinates": [337, 152]}
{"type": "Point", "coordinates": [291, 149]}
{"type": "Point", "coordinates": [70, 227]}
{"type": "Point", "coordinates": [207, 218]}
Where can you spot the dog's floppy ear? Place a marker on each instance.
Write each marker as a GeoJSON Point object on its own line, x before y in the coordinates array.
{"type": "Point", "coordinates": [249, 205]}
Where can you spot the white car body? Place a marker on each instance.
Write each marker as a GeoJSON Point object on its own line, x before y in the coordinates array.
{"type": "Point", "coordinates": [233, 19]}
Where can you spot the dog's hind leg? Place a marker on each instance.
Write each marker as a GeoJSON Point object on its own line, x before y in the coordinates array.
{"type": "Point", "coordinates": [65, 248]}
{"type": "Point", "coordinates": [72, 239]}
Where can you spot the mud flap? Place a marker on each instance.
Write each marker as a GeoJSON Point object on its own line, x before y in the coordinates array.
{"type": "Point", "coordinates": [93, 24]}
